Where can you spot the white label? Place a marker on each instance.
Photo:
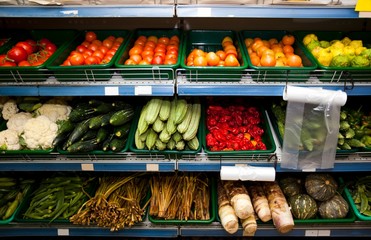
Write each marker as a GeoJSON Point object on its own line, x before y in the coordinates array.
{"type": "Point", "coordinates": [204, 12]}
{"type": "Point", "coordinates": [241, 165]}
{"type": "Point", "coordinates": [324, 233]}
{"type": "Point", "coordinates": [311, 233]}
{"type": "Point", "coordinates": [309, 170]}
{"type": "Point", "coordinates": [70, 12]}
{"type": "Point", "coordinates": [111, 91]}
{"type": "Point", "coordinates": [87, 167]}
{"type": "Point", "coordinates": [63, 232]}
{"type": "Point", "coordinates": [143, 90]}
{"type": "Point", "coordinates": [152, 167]}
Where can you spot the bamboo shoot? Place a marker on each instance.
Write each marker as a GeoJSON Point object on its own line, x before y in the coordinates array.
{"type": "Point", "coordinates": [226, 212]}
{"type": "Point", "coordinates": [260, 201]}
{"type": "Point", "coordinates": [249, 225]}
{"type": "Point", "coordinates": [239, 198]}
{"type": "Point", "coordinates": [281, 214]}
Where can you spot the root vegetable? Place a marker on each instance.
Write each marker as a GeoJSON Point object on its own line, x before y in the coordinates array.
{"type": "Point", "coordinates": [239, 198]}
{"type": "Point", "coordinates": [226, 212]}
{"type": "Point", "coordinates": [260, 201]}
{"type": "Point", "coordinates": [249, 226]}
{"type": "Point", "coordinates": [281, 214]}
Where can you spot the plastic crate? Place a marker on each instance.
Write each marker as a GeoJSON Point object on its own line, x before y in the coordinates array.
{"type": "Point", "coordinates": [134, 149]}
{"type": "Point", "coordinates": [336, 74]}
{"type": "Point", "coordinates": [352, 204]}
{"type": "Point", "coordinates": [279, 73]}
{"type": "Point", "coordinates": [267, 138]}
{"type": "Point", "coordinates": [148, 72]}
{"type": "Point", "coordinates": [211, 40]}
{"type": "Point", "coordinates": [61, 38]}
{"type": "Point", "coordinates": [213, 210]}
{"type": "Point", "coordinates": [98, 72]}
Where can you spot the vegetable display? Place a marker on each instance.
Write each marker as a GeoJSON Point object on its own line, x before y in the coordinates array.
{"type": "Point", "coordinates": [181, 197]}
{"type": "Point", "coordinates": [168, 124]}
{"type": "Point", "coordinates": [360, 190]}
{"type": "Point", "coordinates": [117, 203]}
{"type": "Point", "coordinates": [12, 193]}
{"type": "Point", "coordinates": [29, 52]}
{"type": "Point", "coordinates": [57, 198]}
{"type": "Point", "coordinates": [233, 126]}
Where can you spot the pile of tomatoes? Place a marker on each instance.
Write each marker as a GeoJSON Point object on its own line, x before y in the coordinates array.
{"type": "Point", "coordinates": [227, 57]}
{"type": "Point", "coordinates": [272, 52]}
{"type": "Point", "coordinates": [28, 53]}
{"type": "Point", "coordinates": [93, 50]}
{"type": "Point", "coordinates": [153, 50]}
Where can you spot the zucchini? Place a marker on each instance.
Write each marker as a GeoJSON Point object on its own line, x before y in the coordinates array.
{"type": "Point", "coordinates": [95, 102]}
{"type": "Point", "coordinates": [153, 109]}
{"type": "Point", "coordinates": [104, 108]}
{"type": "Point", "coordinates": [84, 146]}
{"type": "Point", "coordinates": [60, 138]}
{"type": "Point", "coordinates": [105, 119]}
{"type": "Point", "coordinates": [90, 134]}
{"type": "Point", "coordinates": [95, 122]}
{"type": "Point", "coordinates": [123, 130]}
{"type": "Point", "coordinates": [120, 105]}
{"type": "Point", "coordinates": [121, 117]}
{"type": "Point", "coordinates": [78, 132]}
{"type": "Point", "coordinates": [117, 144]}
{"type": "Point", "coordinates": [65, 126]}
{"type": "Point", "coordinates": [106, 143]}
{"type": "Point", "coordinates": [81, 112]}
{"type": "Point", "coordinates": [102, 134]}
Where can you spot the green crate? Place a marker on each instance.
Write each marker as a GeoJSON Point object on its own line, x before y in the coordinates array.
{"type": "Point", "coordinates": [148, 72]}
{"type": "Point", "coordinates": [338, 74]}
{"type": "Point", "coordinates": [18, 209]}
{"type": "Point", "coordinates": [279, 73]}
{"type": "Point", "coordinates": [99, 72]}
{"type": "Point", "coordinates": [61, 38]}
{"type": "Point", "coordinates": [134, 149]}
{"type": "Point", "coordinates": [211, 40]}
{"type": "Point", "coordinates": [353, 206]}
{"type": "Point", "coordinates": [267, 139]}
{"type": "Point", "coordinates": [213, 210]}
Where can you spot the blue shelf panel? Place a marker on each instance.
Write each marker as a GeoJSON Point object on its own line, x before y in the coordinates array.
{"type": "Point", "coordinates": [263, 89]}
{"type": "Point", "coordinates": [99, 11]}
{"type": "Point", "coordinates": [19, 91]}
{"type": "Point", "coordinates": [265, 11]}
{"type": "Point", "coordinates": [109, 90]}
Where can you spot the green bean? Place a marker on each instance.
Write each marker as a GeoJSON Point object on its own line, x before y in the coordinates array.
{"type": "Point", "coordinates": [11, 209]}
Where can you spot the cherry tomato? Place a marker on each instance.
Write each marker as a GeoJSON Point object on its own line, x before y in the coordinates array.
{"type": "Point", "coordinates": [17, 54]}
{"type": "Point", "coordinates": [26, 46]}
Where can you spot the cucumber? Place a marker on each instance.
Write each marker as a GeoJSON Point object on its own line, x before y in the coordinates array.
{"type": "Point", "coordinates": [29, 106]}
{"type": "Point", "coordinates": [78, 132]}
{"type": "Point", "coordinates": [117, 144]}
{"type": "Point", "coordinates": [81, 112]}
{"type": "Point", "coordinates": [102, 134]}
{"type": "Point", "coordinates": [123, 130]}
{"type": "Point", "coordinates": [105, 119]}
{"type": "Point", "coordinates": [90, 134]}
{"type": "Point", "coordinates": [95, 122]}
{"type": "Point", "coordinates": [106, 143]}
{"type": "Point", "coordinates": [104, 108]}
{"type": "Point", "coordinates": [121, 117]}
{"type": "Point", "coordinates": [65, 126]}
{"type": "Point", "coordinates": [84, 146]}
{"type": "Point", "coordinates": [60, 138]}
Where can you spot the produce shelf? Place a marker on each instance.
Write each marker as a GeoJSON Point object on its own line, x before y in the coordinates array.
{"type": "Point", "coordinates": [98, 11]}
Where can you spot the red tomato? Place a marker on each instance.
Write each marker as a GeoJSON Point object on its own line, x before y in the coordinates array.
{"type": "Point", "coordinates": [51, 47]}
{"type": "Point", "coordinates": [157, 60]}
{"type": "Point", "coordinates": [91, 60]}
{"type": "Point", "coordinates": [90, 36]}
{"type": "Point", "coordinates": [130, 62]}
{"type": "Point", "coordinates": [2, 58]}
{"type": "Point", "coordinates": [43, 42]}
{"type": "Point", "coordinates": [8, 64]}
{"type": "Point", "coordinates": [81, 48]}
{"type": "Point", "coordinates": [98, 54]}
{"type": "Point", "coordinates": [26, 46]}
{"type": "Point", "coordinates": [77, 59]}
{"type": "Point", "coordinates": [24, 64]}
{"type": "Point", "coordinates": [17, 54]}
{"type": "Point", "coordinates": [33, 44]}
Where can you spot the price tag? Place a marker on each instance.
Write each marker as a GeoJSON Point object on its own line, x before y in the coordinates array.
{"type": "Point", "coordinates": [204, 12]}
{"type": "Point", "coordinates": [240, 165]}
{"type": "Point", "coordinates": [111, 91]}
{"type": "Point", "coordinates": [152, 167]}
{"type": "Point", "coordinates": [311, 233]}
{"type": "Point", "coordinates": [309, 170]}
{"type": "Point", "coordinates": [143, 90]}
{"type": "Point", "coordinates": [63, 232]}
{"type": "Point", "coordinates": [87, 167]}
{"type": "Point", "coordinates": [324, 233]}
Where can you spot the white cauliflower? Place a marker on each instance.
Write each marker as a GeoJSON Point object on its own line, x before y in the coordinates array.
{"type": "Point", "coordinates": [10, 108]}
{"type": "Point", "coordinates": [54, 112]}
{"type": "Point", "coordinates": [17, 121]}
{"type": "Point", "coordinates": [39, 133]}
{"type": "Point", "coordinates": [9, 140]}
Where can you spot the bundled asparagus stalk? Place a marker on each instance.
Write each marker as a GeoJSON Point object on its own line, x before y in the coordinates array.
{"type": "Point", "coordinates": [260, 201]}
{"type": "Point", "coordinates": [184, 197]}
{"type": "Point", "coordinates": [239, 198]}
{"type": "Point", "coordinates": [116, 203]}
{"type": "Point", "coordinates": [226, 212]}
{"type": "Point", "coordinates": [281, 214]}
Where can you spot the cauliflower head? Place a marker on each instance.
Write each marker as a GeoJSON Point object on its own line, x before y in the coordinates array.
{"type": "Point", "coordinates": [39, 133]}
{"type": "Point", "coordinates": [55, 112]}
{"type": "Point", "coordinates": [17, 121]}
{"type": "Point", "coordinates": [10, 108]}
{"type": "Point", "coordinates": [9, 140]}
